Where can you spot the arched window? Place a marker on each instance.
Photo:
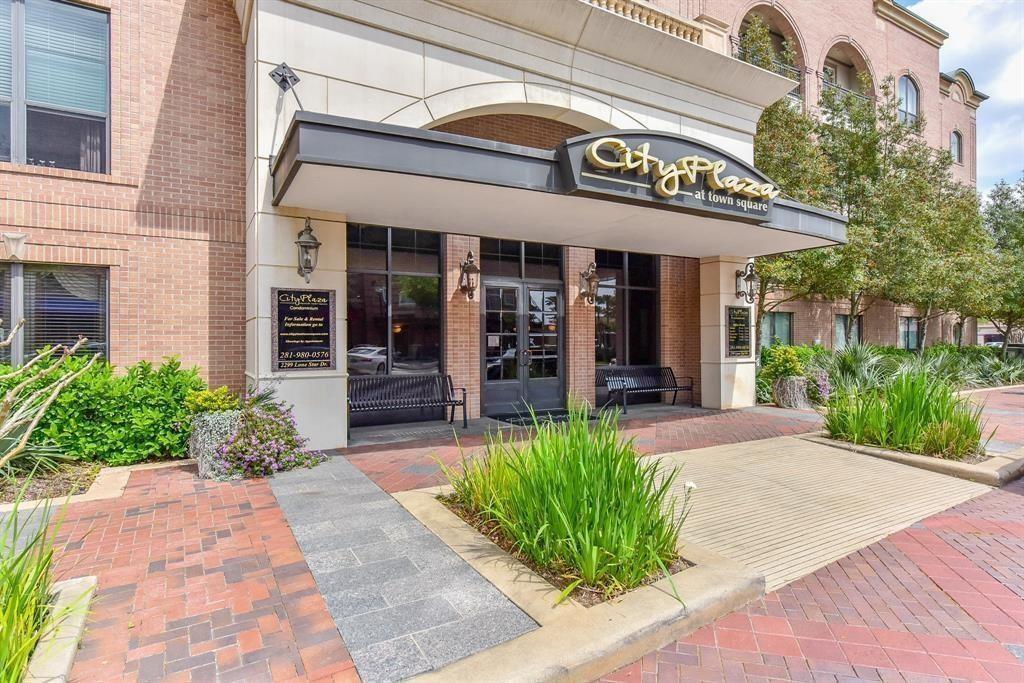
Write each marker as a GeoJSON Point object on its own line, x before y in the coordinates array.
{"type": "Point", "coordinates": [956, 146]}
{"type": "Point", "coordinates": [908, 110]}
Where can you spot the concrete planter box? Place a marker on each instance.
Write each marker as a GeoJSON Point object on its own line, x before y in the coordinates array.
{"type": "Point", "coordinates": [55, 652]}
{"type": "Point", "coordinates": [572, 642]}
{"type": "Point", "coordinates": [997, 471]}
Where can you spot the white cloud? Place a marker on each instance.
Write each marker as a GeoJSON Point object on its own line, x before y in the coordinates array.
{"type": "Point", "coordinates": [986, 37]}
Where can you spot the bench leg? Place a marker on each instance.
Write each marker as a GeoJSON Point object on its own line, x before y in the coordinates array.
{"type": "Point", "coordinates": [674, 394]}
{"type": "Point", "coordinates": [451, 420]}
{"type": "Point", "coordinates": [625, 403]}
{"type": "Point", "coordinates": [465, 421]}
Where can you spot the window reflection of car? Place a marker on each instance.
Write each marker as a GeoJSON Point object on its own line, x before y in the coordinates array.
{"type": "Point", "coordinates": [494, 364]}
{"type": "Point", "coordinates": [367, 360]}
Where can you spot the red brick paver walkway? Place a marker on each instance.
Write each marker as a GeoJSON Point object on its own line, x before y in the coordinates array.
{"type": "Point", "coordinates": [1004, 413]}
{"type": "Point", "coordinates": [413, 464]}
{"type": "Point", "coordinates": [198, 581]}
{"type": "Point", "coordinates": [941, 600]}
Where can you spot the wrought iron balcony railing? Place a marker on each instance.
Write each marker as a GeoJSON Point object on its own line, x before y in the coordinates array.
{"type": "Point", "coordinates": [789, 71]}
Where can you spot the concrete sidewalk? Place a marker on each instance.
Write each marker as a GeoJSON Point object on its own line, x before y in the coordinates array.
{"type": "Point", "coordinates": [787, 506]}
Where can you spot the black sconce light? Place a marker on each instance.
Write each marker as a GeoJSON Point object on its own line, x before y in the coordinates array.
{"type": "Point", "coordinates": [309, 250]}
{"type": "Point", "coordinates": [747, 283]}
{"type": "Point", "coordinates": [469, 275]}
{"type": "Point", "coordinates": [589, 281]}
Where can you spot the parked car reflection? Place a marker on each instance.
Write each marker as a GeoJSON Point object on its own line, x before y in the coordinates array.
{"type": "Point", "coordinates": [367, 360]}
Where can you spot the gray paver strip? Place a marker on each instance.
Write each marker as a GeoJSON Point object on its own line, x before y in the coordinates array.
{"type": "Point", "coordinates": [404, 601]}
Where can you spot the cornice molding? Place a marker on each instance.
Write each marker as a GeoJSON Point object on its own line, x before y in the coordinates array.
{"type": "Point", "coordinates": [907, 20]}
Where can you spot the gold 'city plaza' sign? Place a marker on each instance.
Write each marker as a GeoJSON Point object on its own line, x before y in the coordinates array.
{"type": "Point", "coordinates": [612, 154]}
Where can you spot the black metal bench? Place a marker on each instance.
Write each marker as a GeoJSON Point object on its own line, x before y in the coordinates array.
{"type": "Point", "coordinates": [626, 380]}
{"type": "Point", "coordinates": [399, 392]}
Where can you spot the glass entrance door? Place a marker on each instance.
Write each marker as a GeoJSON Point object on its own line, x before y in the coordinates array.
{"type": "Point", "coordinates": [522, 348]}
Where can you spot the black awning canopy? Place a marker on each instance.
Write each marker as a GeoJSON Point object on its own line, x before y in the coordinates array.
{"type": "Point", "coordinates": [627, 190]}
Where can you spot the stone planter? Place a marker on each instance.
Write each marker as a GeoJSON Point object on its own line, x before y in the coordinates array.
{"type": "Point", "coordinates": [791, 392]}
{"type": "Point", "coordinates": [210, 430]}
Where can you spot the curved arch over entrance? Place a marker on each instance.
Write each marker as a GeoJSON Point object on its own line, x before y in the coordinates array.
{"type": "Point", "coordinates": [517, 129]}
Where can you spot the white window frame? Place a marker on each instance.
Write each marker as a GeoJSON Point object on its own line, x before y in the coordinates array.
{"type": "Point", "coordinates": [17, 348]}
{"type": "Point", "coordinates": [18, 102]}
{"type": "Point", "coordinates": [904, 113]}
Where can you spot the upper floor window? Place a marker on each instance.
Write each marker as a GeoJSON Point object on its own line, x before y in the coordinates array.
{"type": "Point", "coordinates": [908, 106]}
{"type": "Point", "coordinates": [956, 146]}
{"type": "Point", "coordinates": [54, 85]}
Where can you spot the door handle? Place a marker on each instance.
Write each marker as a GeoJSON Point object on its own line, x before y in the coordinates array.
{"type": "Point", "coordinates": [524, 357]}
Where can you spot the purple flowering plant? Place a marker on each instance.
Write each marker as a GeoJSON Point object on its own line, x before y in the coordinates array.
{"type": "Point", "coordinates": [267, 441]}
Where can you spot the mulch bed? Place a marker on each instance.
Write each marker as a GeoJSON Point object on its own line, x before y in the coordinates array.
{"type": "Point", "coordinates": [584, 594]}
{"type": "Point", "coordinates": [67, 480]}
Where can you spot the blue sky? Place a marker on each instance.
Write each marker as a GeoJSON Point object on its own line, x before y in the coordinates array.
{"type": "Point", "coordinates": [986, 37]}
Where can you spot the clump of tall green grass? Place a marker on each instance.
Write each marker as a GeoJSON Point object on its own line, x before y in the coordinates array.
{"type": "Point", "coordinates": [915, 411]}
{"type": "Point", "coordinates": [26, 587]}
{"type": "Point", "coordinates": [575, 499]}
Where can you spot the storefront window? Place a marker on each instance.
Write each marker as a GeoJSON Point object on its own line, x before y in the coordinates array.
{"type": "Point", "coordinates": [394, 301]}
{"type": "Point", "coordinates": [841, 321]}
{"type": "Point", "coordinates": [58, 303]}
{"type": "Point", "coordinates": [776, 328]}
{"type": "Point", "coordinates": [520, 260]}
{"type": "Point", "coordinates": [626, 309]}
{"type": "Point", "coordinates": [909, 333]}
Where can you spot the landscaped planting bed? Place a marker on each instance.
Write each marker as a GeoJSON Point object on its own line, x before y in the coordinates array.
{"type": "Point", "coordinates": [67, 479]}
{"type": "Point", "coordinates": [575, 503]}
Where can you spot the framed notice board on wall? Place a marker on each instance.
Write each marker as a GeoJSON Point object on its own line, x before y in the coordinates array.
{"type": "Point", "coordinates": [737, 322]}
{"type": "Point", "coordinates": [302, 329]}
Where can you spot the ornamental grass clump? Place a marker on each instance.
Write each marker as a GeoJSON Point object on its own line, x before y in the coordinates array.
{"type": "Point", "coordinates": [27, 542]}
{"type": "Point", "coordinates": [914, 412]}
{"type": "Point", "coordinates": [575, 501]}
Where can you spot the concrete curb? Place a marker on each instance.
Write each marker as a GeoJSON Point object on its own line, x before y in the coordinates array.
{"type": "Point", "coordinates": [55, 652]}
{"type": "Point", "coordinates": [109, 483]}
{"type": "Point", "coordinates": [985, 390]}
{"type": "Point", "coordinates": [575, 643]}
{"type": "Point", "coordinates": [997, 471]}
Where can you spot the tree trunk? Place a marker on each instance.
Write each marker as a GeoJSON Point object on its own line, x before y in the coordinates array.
{"type": "Point", "coordinates": [922, 328]}
{"type": "Point", "coordinates": [851, 319]}
{"type": "Point", "coordinates": [759, 316]}
{"type": "Point", "coordinates": [961, 321]}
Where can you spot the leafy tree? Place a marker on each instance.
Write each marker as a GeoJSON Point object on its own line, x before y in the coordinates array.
{"type": "Point", "coordinates": [786, 151]}
{"type": "Point", "coordinates": [1004, 218]}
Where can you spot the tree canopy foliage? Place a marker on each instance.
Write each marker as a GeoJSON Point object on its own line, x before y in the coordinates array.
{"type": "Point", "coordinates": [914, 235]}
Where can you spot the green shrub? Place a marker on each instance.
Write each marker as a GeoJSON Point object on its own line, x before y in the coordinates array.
{"type": "Point", "coordinates": [575, 499]}
{"type": "Point", "coordinates": [784, 361]}
{"type": "Point", "coordinates": [914, 412]}
{"type": "Point", "coordinates": [121, 419]}
{"type": "Point", "coordinates": [211, 400]}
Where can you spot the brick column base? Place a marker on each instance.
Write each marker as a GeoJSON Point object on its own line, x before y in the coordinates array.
{"type": "Point", "coordinates": [461, 322]}
{"type": "Point", "coordinates": [679, 310]}
{"type": "Point", "coordinates": [579, 329]}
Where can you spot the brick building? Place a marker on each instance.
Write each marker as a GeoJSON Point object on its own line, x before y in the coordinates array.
{"type": "Point", "coordinates": [879, 38]}
{"type": "Point", "coordinates": [156, 178]}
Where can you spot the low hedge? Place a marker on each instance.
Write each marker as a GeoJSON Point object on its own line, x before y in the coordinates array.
{"type": "Point", "coordinates": [121, 418]}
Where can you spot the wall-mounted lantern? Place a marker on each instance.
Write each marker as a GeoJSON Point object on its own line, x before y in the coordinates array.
{"type": "Point", "coordinates": [589, 281]}
{"type": "Point", "coordinates": [469, 275]}
{"type": "Point", "coordinates": [747, 283]}
{"type": "Point", "coordinates": [309, 249]}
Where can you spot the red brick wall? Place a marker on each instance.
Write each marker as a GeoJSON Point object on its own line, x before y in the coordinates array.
{"type": "Point", "coordinates": [169, 218]}
{"type": "Point", "coordinates": [814, 321]}
{"type": "Point", "coordinates": [516, 129]}
{"type": "Point", "coordinates": [462, 321]}
{"type": "Point", "coordinates": [887, 48]}
{"type": "Point", "coordinates": [580, 328]}
{"type": "Point", "coordinates": [679, 302]}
